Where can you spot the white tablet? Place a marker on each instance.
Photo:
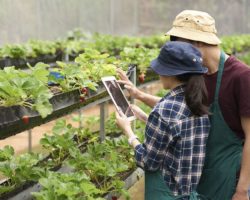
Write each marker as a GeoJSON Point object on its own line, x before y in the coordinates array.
{"type": "Point", "coordinates": [118, 96]}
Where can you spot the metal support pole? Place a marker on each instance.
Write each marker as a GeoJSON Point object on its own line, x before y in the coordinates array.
{"type": "Point", "coordinates": [30, 140]}
{"type": "Point", "coordinates": [66, 57]}
{"type": "Point", "coordinates": [102, 121]}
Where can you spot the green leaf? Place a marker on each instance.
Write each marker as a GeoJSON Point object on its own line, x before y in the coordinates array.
{"type": "Point", "coordinates": [6, 153]}
{"type": "Point", "coordinates": [40, 72]}
{"type": "Point", "coordinates": [59, 126]}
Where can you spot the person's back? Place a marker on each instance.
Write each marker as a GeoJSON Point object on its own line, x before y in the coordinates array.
{"type": "Point", "coordinates": [233, 97]}
{"type": "Point", "coordinates": [230, 107]}
{"type": "Point", "coordinates": [173, 151]}
{"type": "Point", "coordinates": [188, 142]}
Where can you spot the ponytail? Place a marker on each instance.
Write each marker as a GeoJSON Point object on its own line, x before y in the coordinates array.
{"type": "Point", "coordinates": [195, 93]}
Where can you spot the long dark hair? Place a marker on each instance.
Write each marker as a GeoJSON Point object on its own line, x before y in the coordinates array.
{"type": "Point", "coordinates": [195, 93]}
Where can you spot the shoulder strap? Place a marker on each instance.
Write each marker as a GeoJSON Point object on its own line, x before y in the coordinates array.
{"type": "Point", "coordinates": [219, 75]}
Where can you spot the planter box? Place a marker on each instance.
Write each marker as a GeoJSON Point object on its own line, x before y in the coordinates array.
{"type": "Point", "coordinates": [24, 192]}
{"type": "Point", "coordinates": [21, 63]}
{"type": "Point", "coordinates": [11, 117]}
{"type": "Point", "coordinates": [46, 58]}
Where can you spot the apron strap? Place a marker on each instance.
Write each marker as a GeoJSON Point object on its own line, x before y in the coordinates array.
{"type": "Point", "coordinates": [219, 75]}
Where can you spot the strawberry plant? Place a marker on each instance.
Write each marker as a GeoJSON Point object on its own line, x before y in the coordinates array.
{"type": "Point", "coordinates": [245, 58]}
{"type": "Point", "coordinates": [74, 77]}
{"type": "Point", "coordinates": [74, 186]}
{"type": "Point", "coordinates": [19, 168]}
{"type": "Point", "coordinates": [236, 43]}
{"type": "Point", "coordinates": [108, 43]}
{"type": "Point", "coordinates": [82, 98]}
{"type": "Point", "coordinates": [14, 51]}
{"type": "Point", "coordinates": [154, 41]}
{"type": "Point", "coordinates": [26, 88]}
{"type": "Point", "coordinates": [115, 44]}
{"type": "Point", "coordinates": [141, 78]}
{"type": "Point", "coordinates": [41, 47]}
{"type": "Point", "coordinates": [77, 34]}
{"type": "Point", "coordinates": [110, 125]}
{"type": "Point", "coordinates": [94, 163]}
{"type": "Point", "coordinates": [25, 119]}
{"type": "Point", "coordinates": [75, 46]}
{"type": "Point", "coordinates": [84, 91]}
{"type": "Point", "coordinates": [96, 65]}
{"type": "Point", "coordinates": [61, 140]}
{"type": "Point", "coordinates": [6, 153]}
{"type": "Point", "coordinates": [141, 57]}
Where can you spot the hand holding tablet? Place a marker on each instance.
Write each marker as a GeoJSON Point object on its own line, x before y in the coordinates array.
{"type": "Point", "coordinates": [118, 97]}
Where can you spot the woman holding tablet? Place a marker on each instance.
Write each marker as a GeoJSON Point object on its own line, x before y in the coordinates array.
{"type": "Point", "coordinates": [173, 152]}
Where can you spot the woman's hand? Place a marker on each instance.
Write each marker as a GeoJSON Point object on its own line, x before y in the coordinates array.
{"type": "Point", "coordinates": [139, 113]}
{"type": "Point", "coordinates": [133, 91]}
{"type": "Point", "coordinates": [122, 74]}
{"type": "Point", "coordinates": [123, 122]}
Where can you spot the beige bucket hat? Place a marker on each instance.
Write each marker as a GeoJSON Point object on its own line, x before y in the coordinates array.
{"type": "Point", "coordinates": [195, 25]}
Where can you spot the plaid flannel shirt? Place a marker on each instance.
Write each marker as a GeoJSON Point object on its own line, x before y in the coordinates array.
{"type": "Point", "coordinates": [175, 142]}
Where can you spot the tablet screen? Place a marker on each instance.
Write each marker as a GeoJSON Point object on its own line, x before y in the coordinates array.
{"type": "Point", "coordinates": [118, 97]}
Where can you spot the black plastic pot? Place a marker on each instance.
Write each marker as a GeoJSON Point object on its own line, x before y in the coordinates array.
{"type": "Point", "coordinates": [19, 63]}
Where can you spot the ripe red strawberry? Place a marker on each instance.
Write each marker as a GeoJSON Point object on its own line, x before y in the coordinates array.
{"type": "Point", "coordinates": [141, 78]}
{"type": "Point", "coordinates": [25, 119]}
{"type": "Point", "coordinates": [84, 91]}
{"type": "Point", "coordinates": [82, 98]}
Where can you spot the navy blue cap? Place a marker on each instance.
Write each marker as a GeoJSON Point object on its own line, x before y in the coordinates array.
{"type": "Point", "coordinates": [178, 58]}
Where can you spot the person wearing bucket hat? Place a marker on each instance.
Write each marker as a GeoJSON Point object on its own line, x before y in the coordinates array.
{"type": "Point", "coordinates": [173, 152]}
{"type": "Point", "coordinates": [229, 139]}
{"type": "Point", "coordinates": [195, 25]}
{"type": "Point", "coordinates": [227, 81]}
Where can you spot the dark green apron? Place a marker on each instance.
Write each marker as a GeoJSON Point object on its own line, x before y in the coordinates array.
{"type": "Point", "coordinates": [156, 189]}
{"type": "Point", "coordinates": [223, 154]}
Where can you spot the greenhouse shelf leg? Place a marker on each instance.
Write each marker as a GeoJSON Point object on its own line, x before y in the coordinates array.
{"type": "Point", "coordinates": [102, 120]}
{"type": "Point", "coordinates": [66, 57]}
{"type": "Point", "coordinates": [30, 140]}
